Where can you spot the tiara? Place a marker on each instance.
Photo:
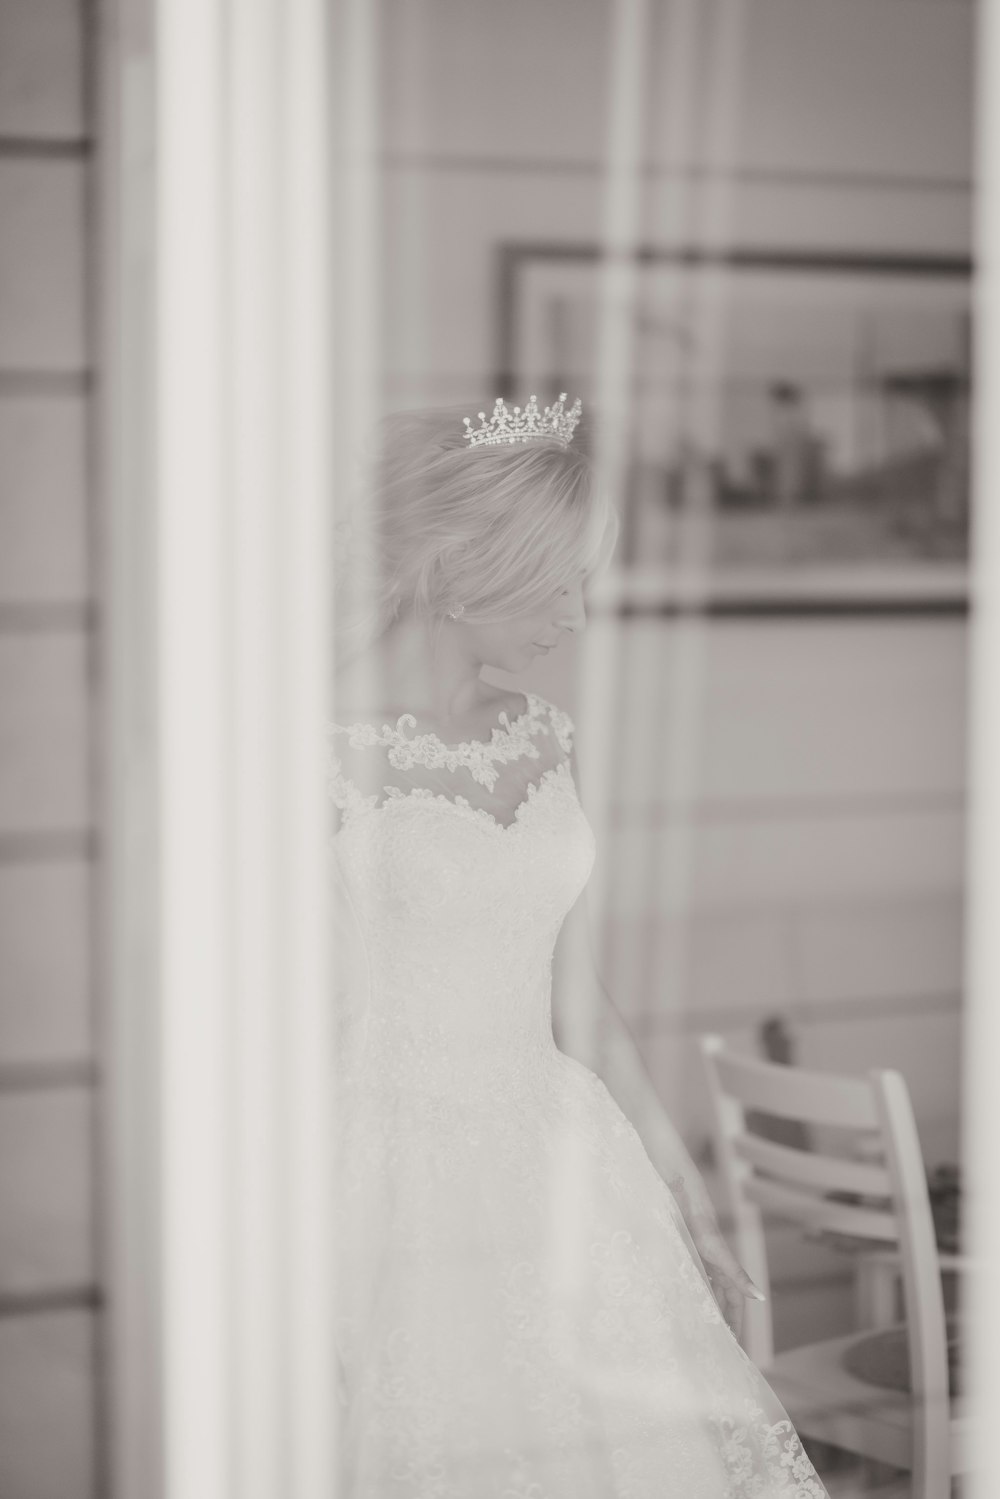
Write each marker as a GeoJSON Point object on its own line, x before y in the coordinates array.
{"type": "Point", "coordinates": [521, 426]}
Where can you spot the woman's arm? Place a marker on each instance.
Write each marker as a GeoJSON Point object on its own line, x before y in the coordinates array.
{"type": "Point", "coordinates": [604, 1043]}
{"type": "Point", "coordinates": [588, 1027]}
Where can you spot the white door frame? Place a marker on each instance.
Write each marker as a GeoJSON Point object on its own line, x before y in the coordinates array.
{"type": "Point", "coordinates": [981, 1059]}
{"type": "Point", "coordinates": [214, 441]}
{"type": "Point", "coordinates": [217, 449]}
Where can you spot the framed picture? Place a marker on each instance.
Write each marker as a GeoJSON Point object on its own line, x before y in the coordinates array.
{"type": "Point", "coordinates": [797, 425]}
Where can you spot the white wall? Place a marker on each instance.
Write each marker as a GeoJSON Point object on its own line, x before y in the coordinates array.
{"type": "Point", "coordinates": [854, 132]}
{"type": "Point", "coordinates": [48, 1274]}
{"type": "Point", "coordinates": [814, 869]}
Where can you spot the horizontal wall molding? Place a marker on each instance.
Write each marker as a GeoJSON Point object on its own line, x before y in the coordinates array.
{"type": "Point", "coordinates": [32, 619]}
{"type": "Point", "coordinates": [448, 161]}
{"type": "Point", "coordinates": [45, 616]}
{"type": "Point", "coordinates": [649, 1024]}
{"type": "Point", "coordinates": [41, 148]}
{"type": "Point", "coordinates": [22, 382]}
{"type": "Point", "coordinates": [844, 260]}
{"type": "Point", "coordinates": [37, 1077]}
{"type": "Point", "coordinates": [891, 606]}
{"type": "Point", "coordinates": [69, 843]}
{"type": "Point", "coordinates": [785, 809]}
{"type": "Point", "coordinates": [38, 1303]}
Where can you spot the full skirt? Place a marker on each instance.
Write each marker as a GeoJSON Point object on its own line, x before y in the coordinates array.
{"type": "Point", "coordinates": [521, 1311]}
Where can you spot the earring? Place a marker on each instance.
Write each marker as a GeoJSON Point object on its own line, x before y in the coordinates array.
{"type": "Point", "coordinates": [454, 613]}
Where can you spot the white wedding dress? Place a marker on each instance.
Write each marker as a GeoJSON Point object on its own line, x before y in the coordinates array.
{"type": "Point", "coordinates": [521, 1312]}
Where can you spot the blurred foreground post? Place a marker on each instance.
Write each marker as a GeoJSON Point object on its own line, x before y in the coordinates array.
{"type": "Point", "coordinates": [213, 259]}
{"type": "Point", "coordinates": [982, 1030]}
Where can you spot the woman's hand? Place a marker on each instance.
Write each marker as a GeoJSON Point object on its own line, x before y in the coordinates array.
{"type": "Point", "coordinates": [730, 1283]}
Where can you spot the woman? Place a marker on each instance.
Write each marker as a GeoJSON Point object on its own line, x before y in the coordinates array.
{"type": "Point", "coordinates": [534, 1299]}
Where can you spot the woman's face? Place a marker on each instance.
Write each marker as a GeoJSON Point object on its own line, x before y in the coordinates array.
{"type": "Point", "coordinates": [513, 644]}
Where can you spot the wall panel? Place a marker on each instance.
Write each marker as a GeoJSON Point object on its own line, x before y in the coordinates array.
{"type": "Point", "coordinates": [45, 972]}
{"type": "Point", "coordinates": [46, 1192]}
{"type": "Point", "coordinates": [41, 73]}
{"type": "Point", "coordinates": [42, 322]}
{"type": "Point", "coordinates": [43, 500]}
{"type": "Point", "coordinates": [44, 732]}
{"type": "Point", "coordinates": [47, 1410]}
{"type": "Point", "coordinates": [49, 1428]}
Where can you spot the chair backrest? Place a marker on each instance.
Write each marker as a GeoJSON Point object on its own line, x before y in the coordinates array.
{"type": "Point", "coordinates": [881, 1198]}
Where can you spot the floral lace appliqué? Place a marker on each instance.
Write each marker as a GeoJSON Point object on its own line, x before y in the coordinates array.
{"type": "Point", "coordinates": [519, 1314]}
{"type": "Point", "coordinates": [509, 741]}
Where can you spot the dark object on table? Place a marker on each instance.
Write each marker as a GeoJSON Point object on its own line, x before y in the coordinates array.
{"type": "Point", "coordinates": [944, 1185]}
{"type": "Point", "coordinates": [777, 1044]}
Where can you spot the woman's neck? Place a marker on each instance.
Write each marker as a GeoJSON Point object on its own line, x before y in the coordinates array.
{"type": "Point", "coordinates": [401, 670]}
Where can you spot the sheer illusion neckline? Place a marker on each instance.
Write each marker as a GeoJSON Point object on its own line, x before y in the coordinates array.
{"type": "Point", "coordinates": [507, 729]}
{"type": "Point", "coordinates": [554, 775]}
{"type": "Point", "coordinates": [512, 739]}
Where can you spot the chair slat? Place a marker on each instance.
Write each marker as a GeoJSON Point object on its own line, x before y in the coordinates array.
{"type": "Point", "coordinates": [795, 1093]}
{"type": "Point", "coordinates": [930, 1444]}
{"type": "Point", "coordinates": [812, 1168]}
{"type": "Point", "coordinates": [818, 1213]}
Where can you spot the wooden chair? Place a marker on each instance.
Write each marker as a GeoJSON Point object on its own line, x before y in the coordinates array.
{"type": "Point", "coordinates": [881, 1200]}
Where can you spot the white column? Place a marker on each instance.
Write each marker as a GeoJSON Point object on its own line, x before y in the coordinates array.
{"type": "Point", "coordinates": [217, 470]}
{"type": "Point", "coordinates": [982, 1019]}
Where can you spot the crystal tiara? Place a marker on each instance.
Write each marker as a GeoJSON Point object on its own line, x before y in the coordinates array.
{"type": "Point", "coordinates": [515, 425]}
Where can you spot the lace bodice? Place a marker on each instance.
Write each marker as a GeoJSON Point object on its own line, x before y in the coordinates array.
{"type": "Point", "coordinates": [461, 862]}
{"type": "Point", "coordinates": [520, 1310]}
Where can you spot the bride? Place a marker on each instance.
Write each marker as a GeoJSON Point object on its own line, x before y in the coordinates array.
{"type": "Point", "coordinates": [534, 1299]}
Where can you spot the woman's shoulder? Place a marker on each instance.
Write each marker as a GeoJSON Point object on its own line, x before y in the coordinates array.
{"type": "Point", "coordinates": [560, 721]}
{"type": "Point", "coordinates": [532, 705]}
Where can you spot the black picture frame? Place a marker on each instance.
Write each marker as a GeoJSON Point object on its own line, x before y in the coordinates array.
{"type": "Point", "coordinates": [568, 273]}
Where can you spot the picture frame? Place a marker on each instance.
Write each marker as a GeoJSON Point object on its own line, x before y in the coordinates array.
{"type": "Point", "coordinates": [796, 423]}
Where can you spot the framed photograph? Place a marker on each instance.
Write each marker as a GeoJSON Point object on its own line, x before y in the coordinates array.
{"type": "Point", "coordinates": [797, 428]}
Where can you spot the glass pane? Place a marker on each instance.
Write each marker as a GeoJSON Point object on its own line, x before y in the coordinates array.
{"type": "Point", "coordinates": [650, 728]}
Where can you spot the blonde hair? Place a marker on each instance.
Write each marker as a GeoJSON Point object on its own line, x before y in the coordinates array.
{"type": "Point", "coordinates": [495, 529]}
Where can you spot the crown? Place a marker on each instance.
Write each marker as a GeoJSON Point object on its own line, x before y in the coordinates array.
{"type": "Point", "coordinates": [515, 425]}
